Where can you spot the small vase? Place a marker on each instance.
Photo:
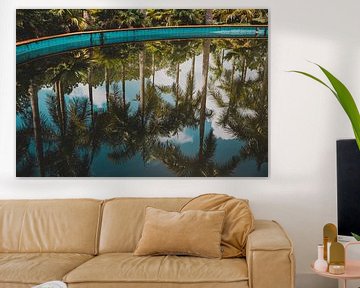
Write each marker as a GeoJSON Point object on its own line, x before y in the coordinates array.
{"type": "Point", "coordinates": [320, 264]}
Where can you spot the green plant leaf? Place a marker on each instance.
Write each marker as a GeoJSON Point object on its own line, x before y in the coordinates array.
{"type": "Point", "coordinates": [346, 100]}
{"type": "Point", "coordinates": [356, 236]}
{"type": "Point", "coordinates": [316, 79]}
{"type": "Point", "coordinates": [344, 97]}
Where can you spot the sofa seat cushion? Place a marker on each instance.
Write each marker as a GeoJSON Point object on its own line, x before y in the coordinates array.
{"type": "Point", "coordinates": [36, 268]}
{"type": "Point", "coordinates": [127, 268]}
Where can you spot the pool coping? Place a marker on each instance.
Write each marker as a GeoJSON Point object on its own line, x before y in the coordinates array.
{"type": "Point", "coordinates": [129, 29]}
{"type": "Point", "coordinates": [35, 48]}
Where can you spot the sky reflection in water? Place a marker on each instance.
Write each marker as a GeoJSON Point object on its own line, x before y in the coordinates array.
{"type": "Point", "coordinates": [188, 108]}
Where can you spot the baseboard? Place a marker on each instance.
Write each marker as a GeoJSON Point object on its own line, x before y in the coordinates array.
{"type": "Point", "coordinates": [310, 280]}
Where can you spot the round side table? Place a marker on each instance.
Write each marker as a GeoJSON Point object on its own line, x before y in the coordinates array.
{"type": "Point", "coordinates": [352, 269]}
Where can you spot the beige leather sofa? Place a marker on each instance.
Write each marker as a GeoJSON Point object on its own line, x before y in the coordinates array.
{"type": "Point", "coordinates": [89, 243]}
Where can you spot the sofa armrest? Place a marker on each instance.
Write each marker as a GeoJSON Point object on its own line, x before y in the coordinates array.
{"type": "Point", "coordinates": [269, 256]}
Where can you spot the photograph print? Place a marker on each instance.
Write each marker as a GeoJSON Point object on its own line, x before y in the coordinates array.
{"type": "Point", "coordinates": [142, 93]}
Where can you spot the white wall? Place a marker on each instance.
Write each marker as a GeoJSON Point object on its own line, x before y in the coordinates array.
{"type": "Point", "coordinates": [305, 121]}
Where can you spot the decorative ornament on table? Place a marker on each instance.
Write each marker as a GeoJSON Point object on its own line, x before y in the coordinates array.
{"type": "Point", "coordinates": [329, 237]}
{"type": "Point", "coordinates": [333, 250]}
{"type": "Point", "coordinates": [320, 264]}
{"type": "Point", "coordinates": [337, 258]}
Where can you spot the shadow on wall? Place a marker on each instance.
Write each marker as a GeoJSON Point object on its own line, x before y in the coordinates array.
{"type": "Point", "coordinates": [298, 32]}
{"type": "Point", "coordinates": [313, 280]}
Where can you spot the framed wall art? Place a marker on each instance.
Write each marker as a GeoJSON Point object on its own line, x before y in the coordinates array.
{"type": "Point", "coordinates": [142, 93]}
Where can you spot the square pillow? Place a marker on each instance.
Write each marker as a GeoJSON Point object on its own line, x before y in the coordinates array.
{"type": "Point", "coordinates": [193, 232]}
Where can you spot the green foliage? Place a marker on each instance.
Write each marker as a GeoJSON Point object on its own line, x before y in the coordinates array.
{"type": "Point", "coordinates": [115, 18]}
{"type": "Point", "coordinates": [244, 16]}
{"type": "Point", "coordinates": [35, 23]}
{"type": "Point", "coordinates": [174, 17]}
{"type": "Point", "coordinates": [356, 236]}
{"type": "Point", "coordinates": [344, 97]}
{"type": "Point", "coordinates": [71, 19]}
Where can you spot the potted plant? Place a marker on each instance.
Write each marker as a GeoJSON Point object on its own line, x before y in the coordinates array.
{"type": "Point", "coordinates": [345, 99]}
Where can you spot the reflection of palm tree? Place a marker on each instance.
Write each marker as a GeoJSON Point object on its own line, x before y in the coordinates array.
{"type": "Point", "coordinates": [91, 98]}
{"type": "Point", "coordinates": [119, 133]}
{"type": "Point", "coordinates": [129, 133]}
{"type": "Point", "coordinates": [108, 59]}
{"type": "Point", "coordinates": [200, 165]}
{"type": "Point", "coordinates": [25, 161]}
{"type": "Point", "coordinates": [115, 59]}
{"type": "Point", "coordinates": [142, 83]}
{"type": "Point", "coordinates": [107, 85]}
{"type": "Point", "coordinates": [244, 103]}
{"type": "Point", "coordinates": [205, 72]}
{"type": "Point", "coordinates": [65, 76]}
{"type": "Point", "coordinates": [179, 52]}
{"type": "Point", "coordinates": [192, 79]}
{"type": "Point", "coordinates": [71, 153]}
{"type": "Point", "coordinates": [60, 98]}
{"type": "Point", "coordinates": [123, 85]}
{"type": "Point", "coordinates": [74, 126]}
{"type": "Point", "coordinates": [76, 132]}
{"type": "Point", "coordinates": [203, 163]}
{"type": "Point", "coordinates": [257, 146]}
{"type": "Point", "coordinates": [154, 50]}
{"type": "Point", "coordinates": [33, 94]}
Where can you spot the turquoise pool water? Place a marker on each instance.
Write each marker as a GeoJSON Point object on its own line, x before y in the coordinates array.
{"type": "Point", "coordinates": [191, 107]}
{"type": "Point", "coordinates": [68, 42]}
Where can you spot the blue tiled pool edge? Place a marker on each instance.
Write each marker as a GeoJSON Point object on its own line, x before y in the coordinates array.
{"type": "Point", "coordinates": [43, 47]}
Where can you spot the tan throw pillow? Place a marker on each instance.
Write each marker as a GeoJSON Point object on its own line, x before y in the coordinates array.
{"type": "Point", "coordinates": [196, 233]}
{"type": "Point", "coordinates": [239, 220]}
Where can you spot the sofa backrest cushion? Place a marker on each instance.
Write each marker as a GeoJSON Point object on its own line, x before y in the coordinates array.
{"type": "Point", "coordinates": [239, 220]}
{"type": "Point", "coordinates": [64, 226]}
{"type": "Point", "coordinates": [123, 220]}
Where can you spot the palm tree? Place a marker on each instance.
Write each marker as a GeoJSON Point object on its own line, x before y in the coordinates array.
{"type": "Point", "coordinates": [208, 16]}
{"type": "Point", "coordinates": [234, 15]}
{"type": "Point", "coordinates": [173, 17]}
{"type": "Point", "coordinates": [119, 18]}
{"type": "Point", "coordinates": [72, 19]}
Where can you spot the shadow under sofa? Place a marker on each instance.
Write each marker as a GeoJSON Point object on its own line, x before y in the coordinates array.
{"type": "Point", "coordinates": [90, 243]}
